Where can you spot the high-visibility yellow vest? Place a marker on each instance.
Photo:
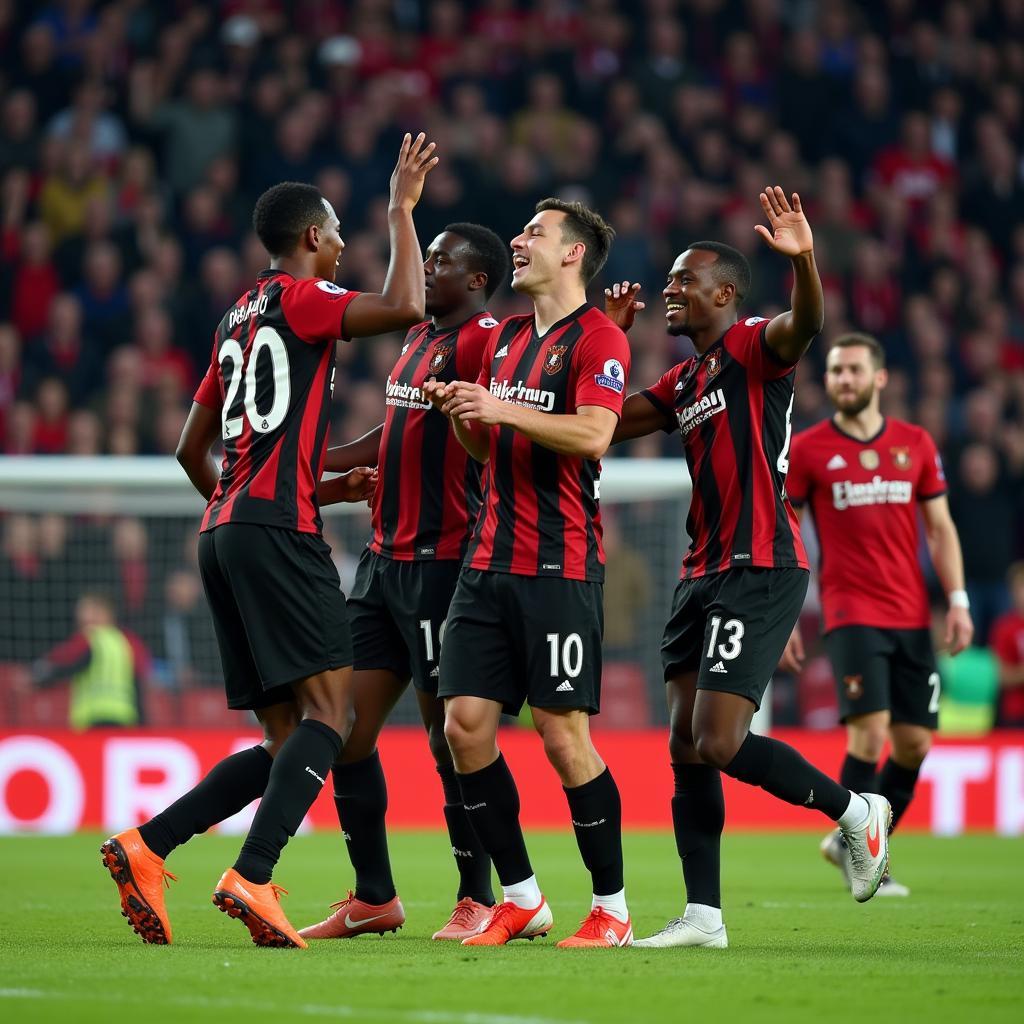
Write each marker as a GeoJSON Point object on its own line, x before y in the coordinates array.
{"type": "Point", "coordinates": [105, 690]}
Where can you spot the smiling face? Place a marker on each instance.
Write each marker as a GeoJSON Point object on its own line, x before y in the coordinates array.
{"type": "Point", "coordinates": [329, 244]}
{"type": "Point", "coordinates": [447, 275]}
{"type": "Point", "coordinates": [693, 295]}
{"type": "Point", "coordinates": [541, 256]}
{"type": "Point", "coordinates": [851, 378]}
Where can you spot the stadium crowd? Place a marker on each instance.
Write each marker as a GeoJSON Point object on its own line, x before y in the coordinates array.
{"type": "Point", "coordinates": [136, 136]}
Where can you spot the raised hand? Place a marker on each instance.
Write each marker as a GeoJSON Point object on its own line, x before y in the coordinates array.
{"type": "Point", "coordinates": [415, 162]}
{"type": "Point", "coordinates": [357, 485]}
{"type": "Point", "coordinates": [621, 304]}
{"type": "Point", "coordinates": [790, 233]}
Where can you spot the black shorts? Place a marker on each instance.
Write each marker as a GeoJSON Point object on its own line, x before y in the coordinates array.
{"type": "Point", "coordinates": [885, 670]}
{"type": "Point", "coordinates": [731, 628]}
{"type": "Point", "coordinates": [277, 607]}
{"type": "Point", "coordinates": [398, 611]}
{"type": "Point", "coordinates": [524, 638]}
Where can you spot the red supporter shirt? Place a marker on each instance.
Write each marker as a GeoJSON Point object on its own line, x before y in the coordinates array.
{"type": "Point", "coordinates": [428, 490]}
{"type": "Point", "coordinates": [732, 407]}
{"type": "Point", "coordinates": [272, 376]}
{"type": "Point", "coordinates": [1007, 640]}
{"type": "Point", "coordinates": [863, 496]}
{"type": "Point", "coordinates": [541, 514]}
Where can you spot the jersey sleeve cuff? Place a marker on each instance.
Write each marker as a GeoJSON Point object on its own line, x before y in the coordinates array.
{"type": "Point", "coordinates": [932, 496]}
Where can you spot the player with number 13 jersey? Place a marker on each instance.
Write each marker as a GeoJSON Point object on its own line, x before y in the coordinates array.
{"type": "Point", "coordinates": [745, 574]}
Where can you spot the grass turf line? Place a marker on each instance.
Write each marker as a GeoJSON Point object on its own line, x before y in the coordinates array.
{"type": "Point", "coordinates": [801, 950]}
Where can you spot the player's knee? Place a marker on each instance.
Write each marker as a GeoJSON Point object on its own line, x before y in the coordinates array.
{"type": "Point", "coordinates": [911, 752]}
{"type": "Point", "coordinates": [459, 734]}
{"type": "Point", "coordinates": [564, 750]}
{"type": "Point", "coordinates": [716, 748]}
{"type": "Point", "coordinates": [868, 742]}
{"type": "Point", "coordinates": [681, 748]}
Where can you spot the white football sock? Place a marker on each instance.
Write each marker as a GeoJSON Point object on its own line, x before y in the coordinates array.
{"type": "Point", "coordinates": [856, 814]}
{"type": "Point", "coordinates": [614, 905]}
{"type": "Point", "coordinates": [525, 894]}
{"type": "Point", "coordinates": [707, 919]}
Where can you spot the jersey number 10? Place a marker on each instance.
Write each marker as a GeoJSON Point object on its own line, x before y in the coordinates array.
{"type": "Point", "coordinates": [267, 339]}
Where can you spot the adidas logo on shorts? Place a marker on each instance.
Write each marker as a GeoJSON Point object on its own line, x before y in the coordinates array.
{"type": "Point", "coordinates": [564, 687]}
{"type": "Point", "coordinates": [719, 667]}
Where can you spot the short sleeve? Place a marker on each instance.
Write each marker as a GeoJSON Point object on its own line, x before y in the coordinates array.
{"type": "Point", "coordinates": [798, 479]}
{"type": "Point", "coordinates": [602, 362]}
{"type": "Point", "coordinates": [208, 393]}
{"type": "Point", "coordinates": [473, 339]}
{"type": "Point", "coordinates": [662, 395]}
{"type": "Point", "coordinates": [745, 342]}
{"type": "Point", "coordinates": [931, 481]}
{"type": "Point", "coordinates": [315, 309]}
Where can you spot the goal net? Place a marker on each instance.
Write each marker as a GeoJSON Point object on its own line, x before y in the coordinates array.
{"type": "Point", "coordinates": [126, 528]}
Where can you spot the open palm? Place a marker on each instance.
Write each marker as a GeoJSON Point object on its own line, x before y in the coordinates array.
{"type": "Point", "coordinates": [790, 233]}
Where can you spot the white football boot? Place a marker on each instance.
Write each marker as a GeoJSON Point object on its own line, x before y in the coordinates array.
{"type": "Point", "coordinates": [869, 848]}
{"type": "Point", "coordinates": [684, 931]}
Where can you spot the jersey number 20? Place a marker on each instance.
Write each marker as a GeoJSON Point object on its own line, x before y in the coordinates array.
{"type": "Point", "coordinates": [267, 339]}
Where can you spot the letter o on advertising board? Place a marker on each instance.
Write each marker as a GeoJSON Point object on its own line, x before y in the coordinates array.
{"type": "Point", "coordinates": [63, 811]}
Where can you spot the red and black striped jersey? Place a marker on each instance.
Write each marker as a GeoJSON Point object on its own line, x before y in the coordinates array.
{"type": "Point", "coordinates": [428, 490]}
{"type": "Point", "coordinates": [733, 408]}
{"type": "Point", "coordinates": [541, 513]}
{"type": "Point", "coordinates": [272, 376]}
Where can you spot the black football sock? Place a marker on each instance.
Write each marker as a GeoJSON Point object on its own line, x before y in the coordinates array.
{"type": "Point", "coordinates": [698, 817]}
{"type": "Point", "coordinates": [361, 797]}
{"type": "Point", "coordinates": [780, 770]}
{"type": "Point", "coordinates": [299, 773]}
{"type": "Point", "coordinates": [229, 786]}
{"type": "Point", "coordinates": [896, 784]}
{"type": "Point", "coordinates": [858, 776]}
{"type": "Point", "coordinates": [596, 811]}
{"type": "Point", "coordinates": [470, 856]}
{"type": "Point", "coordinates": [491, 801]}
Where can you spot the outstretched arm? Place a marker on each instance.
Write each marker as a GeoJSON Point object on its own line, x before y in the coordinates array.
{"type": "Point", "coordinates": [640, 417]}
{"type": "Point", "coordinates": [790, 334]}
{"type": "Point", "coordinates": [400, 304]}
{"type": "Point", "coordinates": [201, 429]}
{"type": "Point", "coordinates": [362, 452]}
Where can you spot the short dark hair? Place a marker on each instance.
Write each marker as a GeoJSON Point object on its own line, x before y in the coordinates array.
{"type": "Point", "coordinates": [283, 213]}
{"type": "Point", "coordinates": [584, 225]}
{"type": "Point", "coordinates": [858, 340]}
{"type": "Point", "coordinates": [488, 253]}
{"type": "Point", "coordinates": [731, 267]}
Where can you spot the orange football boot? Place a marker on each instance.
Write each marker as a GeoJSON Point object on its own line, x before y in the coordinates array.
{"type": "Point", "coordinates": [507, 922]}
{"type": "Point", "coordinates": [354, 917]}
{"type": "Point", "coordinates": [259, 908]}
{"type": "Point", "coordinates": [467, 919]}
{"type": "Point", "coordinates": [140, 877]}
{"type": "Point", "coordinates": [600, 929]}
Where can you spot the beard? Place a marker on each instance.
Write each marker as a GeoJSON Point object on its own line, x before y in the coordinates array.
{"type": "Point", "coordinates": [679, 330]}
{"type": "Point", "coordinates": [855, 404]}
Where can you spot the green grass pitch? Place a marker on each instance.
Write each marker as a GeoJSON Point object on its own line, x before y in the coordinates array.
{"type": "Point", "coordinates": [801, 950]}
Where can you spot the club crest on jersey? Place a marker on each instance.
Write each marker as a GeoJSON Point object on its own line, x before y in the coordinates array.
{"type": "Point", "coordinates": [440, 358]}
{"type": "Point", "coordinates": [553, 362]}
{"type": "Point", "coordinates": [869, 459]}
{"type": "Point", "coordinates": [713, 365]}
{"type": "Point", "coordinates": [900, 457]}
{"type": "Point", "coordinates": [854, 686]}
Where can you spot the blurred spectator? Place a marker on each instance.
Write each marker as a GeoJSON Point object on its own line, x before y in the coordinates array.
{"type": "Point", "coordinates": [105, 669]}
{"type": "Point", "coordinates": [64, 351]}
{"type": "Point", "coordinates": [35, 282]}
{"type": "Point", "coordinates": [67, 190]}
{"type": "Point", "coordinates": [189, 647]}
{"type": "Point", "coordinates": [1008, 644]}
{"type": "Point", "coordinates": [52, 423]}
{"type": "Point", "coordinates": [19, 134]}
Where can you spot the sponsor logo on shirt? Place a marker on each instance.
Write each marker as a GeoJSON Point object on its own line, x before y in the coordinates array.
{"type": "Point", "coordinates": [698, 412]}
{"type": "Point", "coordinates": [242, 313]}
{"type": "Point", "coordinates": [502, 352]}
{"type": "Point", "coordinates": [836, 462]}
{"type": "Point", "coordinates": [613, 378]}
{"type": "Point", "coordinates": [405, 395]}
{"type": "Point", "coordinates": [520, 394]}
{"type": "Point", "coordinates": [847, 494]}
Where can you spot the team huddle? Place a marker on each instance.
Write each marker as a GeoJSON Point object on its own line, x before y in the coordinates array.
{"type": "Point", "coordinates": [482, 580]}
